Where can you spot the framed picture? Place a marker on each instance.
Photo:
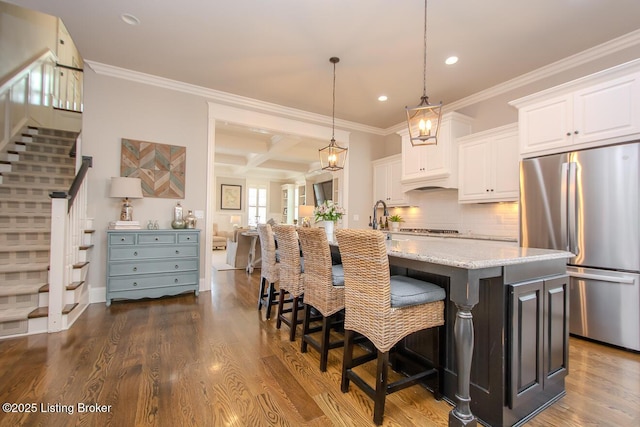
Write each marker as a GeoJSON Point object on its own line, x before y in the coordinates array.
{"type": "Point", "coordinates": [230, 197]}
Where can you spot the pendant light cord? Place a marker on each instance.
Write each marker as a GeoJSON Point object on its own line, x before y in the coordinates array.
{"type": "Point", "coordinates": [424, 67]}
{"type": "Point", "coordinates": [333, 114]}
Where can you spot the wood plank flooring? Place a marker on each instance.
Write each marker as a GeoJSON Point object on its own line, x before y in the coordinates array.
{"type": "Point", "coordinates": [214, 361]}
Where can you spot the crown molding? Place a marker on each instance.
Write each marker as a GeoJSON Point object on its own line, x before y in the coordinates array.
{"type": "Point", "coordinates": [227, 98]}
{"type": "Point", "coordinates": [628, 40]}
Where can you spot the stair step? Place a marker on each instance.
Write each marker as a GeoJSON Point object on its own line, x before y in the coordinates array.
{"type": "Point", "coordinates": [71, 287]}
{"type": "Point", "coordinates": [43, 147]}
{"type": "Point", "coordinates": [12, 191]}
{"type": "Point", "coordinates": [33, 156]}
{"type": "Point", "coordinates": [35, 222]}
{"type": "Point", "coordinates": [27, 238]}
{"type": "Point", "coordinates": [44, 131]}
{"type": "Point", "coordinates": [44, 311]}
{"type": "Point", "coordinates": [24, 289]}
{"type": "Point", "coordinates": [17, 205]}
{"type": "Point", "coordinates": [20, 255]}
{"type": "Point", "coordinates": [29, 166]}
{"type": "Point", "coordinates": [15, 314]}
{"type": "Point", "coordinates": [27, 268]}
{"type": "Point", "coordinates": [36, 178]}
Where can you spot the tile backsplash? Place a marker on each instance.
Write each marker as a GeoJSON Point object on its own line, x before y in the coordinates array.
{"type": "Point", "coordinates": [439, 209]}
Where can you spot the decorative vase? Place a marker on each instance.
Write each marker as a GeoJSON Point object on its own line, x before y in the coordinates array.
{"type": "Point", "coordinates": [178, 221]}
{"type": "Point", "coordinates": [395, 226]}
{"type": "Point", "coordinates": [328, 228]}
{"type": "Point", "coordinates": [190, 220]}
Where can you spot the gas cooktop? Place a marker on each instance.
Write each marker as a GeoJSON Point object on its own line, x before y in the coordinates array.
{"type": "Point", "coordinates": [428, 231]}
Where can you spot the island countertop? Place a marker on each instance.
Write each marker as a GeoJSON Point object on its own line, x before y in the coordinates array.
{"type": "Point", "coordinates": [468, 254]}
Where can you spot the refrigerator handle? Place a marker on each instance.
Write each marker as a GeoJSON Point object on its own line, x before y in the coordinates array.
{"type": "Point", "coordinates": [563, 206]}
{"type": "Point", "coordinates": [572, 209]}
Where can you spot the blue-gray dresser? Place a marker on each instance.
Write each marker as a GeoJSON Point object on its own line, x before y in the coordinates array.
{"type": "Point", "coordinates": [152, 263]}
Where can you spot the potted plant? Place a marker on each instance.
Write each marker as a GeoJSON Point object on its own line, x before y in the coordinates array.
{"type": "Point", "coordinates": [395, 221]}
{"type": "Point", "coordinates": [328, 212]}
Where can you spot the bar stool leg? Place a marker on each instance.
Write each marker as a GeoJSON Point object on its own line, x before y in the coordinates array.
{"type": "Point", "coordinates": [261, 293]}
{"type": "Point", "coordinates": [381, 386]}
{"type": "Point", "coordinates": [324, 343]}
{"type": "Point", "coordinates": [347, 359]}
{"type": "Point", "coordinates": [294, 319]}
{"type": "Point", "coordinates": [305, 327]}
{"type": "Point", "coordinates": [280, 308]}
{"type": "Point", "coordinates": [271, 295]}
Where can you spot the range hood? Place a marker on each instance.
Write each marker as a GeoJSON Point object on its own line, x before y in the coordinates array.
{"type": "Point", "coordinates": [433, 182]}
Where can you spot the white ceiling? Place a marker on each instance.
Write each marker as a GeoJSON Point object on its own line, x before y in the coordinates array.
{"type": "Point", "coordinates": [278, 50]}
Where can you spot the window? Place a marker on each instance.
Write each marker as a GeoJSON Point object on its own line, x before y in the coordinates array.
{"type": "Point", "coordinates": [257, 205]}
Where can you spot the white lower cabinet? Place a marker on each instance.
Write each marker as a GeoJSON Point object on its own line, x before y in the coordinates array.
{"type": "Point", "coordinates": [488, 166]}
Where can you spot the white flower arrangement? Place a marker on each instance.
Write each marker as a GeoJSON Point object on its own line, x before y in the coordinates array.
{"type": "Point", "coordinates": [328, 211]}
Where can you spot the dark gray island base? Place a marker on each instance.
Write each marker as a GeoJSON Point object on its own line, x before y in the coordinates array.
{"type": "Point", "coordinates": [505, 350]}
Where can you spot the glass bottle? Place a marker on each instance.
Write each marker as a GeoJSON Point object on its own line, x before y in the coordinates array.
{"type": "Point", "coordinates": [150, 225]}
{"type": "Point", "coordinates": [190, 220]}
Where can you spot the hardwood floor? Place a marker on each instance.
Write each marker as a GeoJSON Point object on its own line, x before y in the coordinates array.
{"type": "Point", "coordinates": [214, 361]}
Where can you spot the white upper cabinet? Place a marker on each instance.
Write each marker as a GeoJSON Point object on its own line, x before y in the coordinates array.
{"type": "Point", "coordinates": [596, 110]}
{"type": "Point", "coordinates": [387, 173]}
{"type": "Point", "coordinates": [434, 165]}
{"type": "Point", "coordinates": [488, 166]}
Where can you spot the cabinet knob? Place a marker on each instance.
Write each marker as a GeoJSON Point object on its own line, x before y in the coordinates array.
{"type": "Point", "coordinates": [177, 266]}
{"type": "Point", "coordinates": [575, 132]}
{"type": "Point", "coordinates": [135, 253]}
{"type": "Point", "coordinates": [188, 238]}
{"type": "Point", "coordinates": [135, 268]}
{"type": "Point", "coordinates": [487, 190]}
{"type": "Point", "coordinates": [175, 280]}
{"type": "Point", "coordinates": [568, 133]}
{"type": "Point", "coordinates": [156, 239]}
{"type": "Point", "coordinates": [177, 252]}
{"type": "Point", "coordinates": [135, 283]}
{"type": "Point", "coordinates": [122, 239]}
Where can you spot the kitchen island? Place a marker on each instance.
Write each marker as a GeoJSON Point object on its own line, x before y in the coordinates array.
{"type": "Point", "coordinates": [505, 354]}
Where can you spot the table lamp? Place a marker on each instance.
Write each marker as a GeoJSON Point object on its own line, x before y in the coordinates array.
{"type": "Point", "coordinates": [235, 220]}
{"type": "Point", "coordinates": [126, 188]}
{"type": "Point", "coordinates": [304, 212]}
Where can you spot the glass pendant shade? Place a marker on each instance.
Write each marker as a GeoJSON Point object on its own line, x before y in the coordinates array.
{"type": "Point", "coordinates": [424, 122]}
{"type": "Point", "coordinates": [332, 157]}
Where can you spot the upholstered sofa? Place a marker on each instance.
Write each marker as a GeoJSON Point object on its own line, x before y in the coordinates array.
{"type": "Point", "coordinates": [238, 248]}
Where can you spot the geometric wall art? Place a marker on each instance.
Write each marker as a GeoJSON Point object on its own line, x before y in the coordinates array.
{"type": "Point", "coordinates": [160, 167]}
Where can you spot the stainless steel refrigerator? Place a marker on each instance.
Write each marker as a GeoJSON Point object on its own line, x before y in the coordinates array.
{"type": "Point", "coordinates": [587, 202]}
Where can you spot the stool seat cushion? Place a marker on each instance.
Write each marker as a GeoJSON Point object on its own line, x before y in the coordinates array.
{"type": "Point", "coordinates": [407, 291]}
{"type": "Point", "coordinates": [337, 275]}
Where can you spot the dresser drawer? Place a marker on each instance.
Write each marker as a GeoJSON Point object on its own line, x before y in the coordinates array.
{"type": "Point", "coordinates": [122, 239]}
{"type": "Point", "coordinates": [188, 237]}
{"type": "Point", "coordinates": [154, 238]}
{"type": "Point", "coordinates": [129, 283]}
{"type": "Point", "coordinates": [148, 252]}
{"type": "Point", "coordinates": [117, 268]}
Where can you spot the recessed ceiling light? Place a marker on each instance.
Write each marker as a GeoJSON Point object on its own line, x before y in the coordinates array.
{"type": "Point", "coordinates": [451, 60]}
{"type": "Point", "coordinates": [129, 19]}
{"type": "Point", "coordinates": [382, 98]}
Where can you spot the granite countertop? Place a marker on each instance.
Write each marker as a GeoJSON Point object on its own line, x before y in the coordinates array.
{"type": "Point", "coordinates": [468, 254]}
{"type": "Point", "coordinates": [457, 236]}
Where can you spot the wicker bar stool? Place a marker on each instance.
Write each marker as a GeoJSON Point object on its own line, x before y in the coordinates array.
{"type": "Point", "coordinates": [270, 269]}
{"type": "Point", "coordinates": [384, 309]}
{"type": "Point", "coordinates": [291, 277]}
{"type": "Point", "coordinates": [323, 290]}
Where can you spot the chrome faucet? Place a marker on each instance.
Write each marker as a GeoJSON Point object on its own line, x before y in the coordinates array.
{"type": "Point", "coordinates": [385, 212]}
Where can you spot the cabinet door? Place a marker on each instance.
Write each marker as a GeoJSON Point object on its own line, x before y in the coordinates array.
{"type": "Point", "coordinates": [546, 125]}
{"type": "Point", "coordinates": [607, 110]}
{"type": "Point", "coordinates": [525, 342]}
{"type": "Point", "coordinates": [556, 328]}
{"type": "Point", "coordinates": [474, 170]}
{"type": "Point", "coordinates": [380, 183]}
{"type": "Point", "coordinates": [412, 160]}
{"type": "Point", "coordinates": [505, 182]}
{"type": "Point", "coordinates": [394, 187]}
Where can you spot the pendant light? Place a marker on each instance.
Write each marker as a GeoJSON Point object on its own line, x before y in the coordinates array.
{"type": "Point", "coordinates": [332, 157]}
{"type": "Point", "coordinates": [424, 120]}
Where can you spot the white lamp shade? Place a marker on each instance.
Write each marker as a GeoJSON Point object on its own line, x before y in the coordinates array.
{"type": "Point", "coordinates": [235, 219]}
{"type": "Point", "coordinates": [305, 211]}
{"type": "Point", "coordinates": [125, 187]}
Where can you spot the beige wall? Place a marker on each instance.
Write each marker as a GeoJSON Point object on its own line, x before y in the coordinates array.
{"type": "Point", "coordinates": [116, 109]}
{"type": "Point", "coordinates": [24, 34]}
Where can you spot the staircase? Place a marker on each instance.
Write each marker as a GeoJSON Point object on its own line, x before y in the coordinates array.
{"type": "Point", "coordinates": [31, 168]}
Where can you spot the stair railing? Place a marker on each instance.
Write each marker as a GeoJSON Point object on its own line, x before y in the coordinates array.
{"type": "Point", "coordinates": [68, 223]}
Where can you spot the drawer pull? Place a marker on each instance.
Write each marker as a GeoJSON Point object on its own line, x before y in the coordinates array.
{"type": "Point", "coordinates": [135, 283]}
{"type": "Point", "coordinates": [188, 238]}
{"type": "Point", "coordinates": [122, 239]}
{"type": "Point", "coordinates": [177, 252]}
{"type": "Point", "coordinates": [156, 239]}
{"type": "Point", "coordinates": [177, 267]}
{"type": "Point", "coordinates": [175, 280]}
{"type": "Point", "coordinates": [135, 253]}
{"type": "Point", "coordinates": [135, 268]}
